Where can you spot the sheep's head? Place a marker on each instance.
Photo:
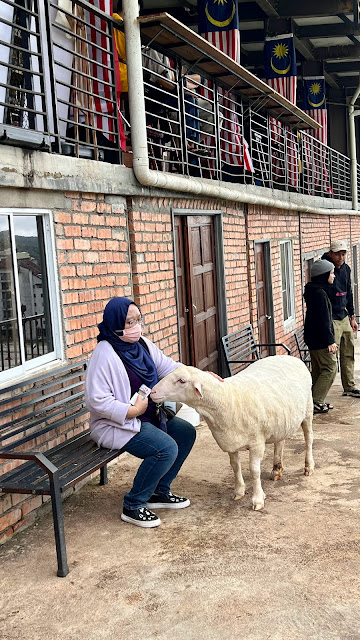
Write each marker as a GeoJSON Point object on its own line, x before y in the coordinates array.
{"type": "Point", "coordinates": [182, 385]}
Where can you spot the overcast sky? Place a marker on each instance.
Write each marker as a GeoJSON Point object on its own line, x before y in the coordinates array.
{"type": "Point", "coordinates": [24, 225]}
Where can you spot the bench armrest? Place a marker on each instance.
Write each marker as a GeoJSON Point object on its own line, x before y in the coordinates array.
{"type": "Point", "coordinates": [274, 344]}
{"type": "Point", "coordinates": [39, 458]}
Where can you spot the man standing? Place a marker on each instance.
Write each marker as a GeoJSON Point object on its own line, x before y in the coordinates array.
{"type": "Point", "coordinates": [343, 315]}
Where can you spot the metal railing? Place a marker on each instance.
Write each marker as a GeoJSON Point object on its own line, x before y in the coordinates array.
{"type": "Point", "coordinates": [59, 91]}
{"type": "Point", "coordinates": [36, 340]}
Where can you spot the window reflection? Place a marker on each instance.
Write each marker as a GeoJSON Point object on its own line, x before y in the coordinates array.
{"type": "Point", "coordinates": [24, 308]}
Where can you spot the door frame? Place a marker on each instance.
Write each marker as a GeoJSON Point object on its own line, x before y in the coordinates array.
{"type": "Point", "coordinates": [220, 271]}
{"type": "Point", "coordinates": [268, 290]}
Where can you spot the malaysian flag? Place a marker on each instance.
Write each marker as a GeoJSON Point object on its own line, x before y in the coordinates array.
{"type": "Point", "coordinates": [314, 103]}
{"type": "Point", "coordinates": [101, 67]}
{"type": "Point", "coordinates": [280, 73]}
{"type": "Point", "coordinates": [219, 24]}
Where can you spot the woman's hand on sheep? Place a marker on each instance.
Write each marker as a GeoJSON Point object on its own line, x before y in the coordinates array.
{"type": "Point", "coordinates": [332, 348]}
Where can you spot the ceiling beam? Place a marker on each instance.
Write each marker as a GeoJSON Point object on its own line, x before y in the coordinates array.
{"type": "Point", "coordinates": [309, 8]}
{"type": "Point", "coordinates": [349, 81]}
{"type": "Point", "coordinates": [268, 7]}
{"type": "Point", "coordinates": [341, 51]}
{"type": "Point", "coordinates": [342, 67]}
{"type": "Point", "coordinates": [327, 30]}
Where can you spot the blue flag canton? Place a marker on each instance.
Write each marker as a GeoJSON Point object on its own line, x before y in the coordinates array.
{"type": "Point", "coordinates": [217, 15]}
{"type": "Point", "coordinates": [280, 59]}
{"type": "Point", "coordinates": [314, 94]}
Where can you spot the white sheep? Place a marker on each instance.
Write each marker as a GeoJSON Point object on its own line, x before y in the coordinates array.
{"type": "Point", "coordinates": [265, 403]}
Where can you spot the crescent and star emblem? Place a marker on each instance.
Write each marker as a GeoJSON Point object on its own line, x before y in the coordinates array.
{"type": "Point", "coordinates": [315, 89]}
{"type": "Point", "coordinates": [280, 51]}
{"type": "Point", "coordinates": [222, 23]}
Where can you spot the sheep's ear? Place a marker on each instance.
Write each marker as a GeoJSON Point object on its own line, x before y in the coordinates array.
{"type": "Point", "coordinates": [198, 389]}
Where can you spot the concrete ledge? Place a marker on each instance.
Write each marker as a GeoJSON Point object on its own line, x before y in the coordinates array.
{"type": "Point", "coordinates": [25, 169]}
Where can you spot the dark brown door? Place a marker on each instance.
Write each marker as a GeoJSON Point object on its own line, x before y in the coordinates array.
{"type": "Point", "coordinates": [263, 288]}
{"type": "Point", "coordinates": [199, 332]}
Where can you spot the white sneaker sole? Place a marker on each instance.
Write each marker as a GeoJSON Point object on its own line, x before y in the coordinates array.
{"type": "Point", "coordinates": [166, 505]}
{"type": "Point", "coordinates": [145, 525]}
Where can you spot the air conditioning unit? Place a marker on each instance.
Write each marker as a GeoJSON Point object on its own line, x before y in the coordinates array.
{"type": "Point", "coordinates": [27, 138]}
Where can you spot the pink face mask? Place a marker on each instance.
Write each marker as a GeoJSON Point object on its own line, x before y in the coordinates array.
{"type": "Point", "coordinates": [132, 334]}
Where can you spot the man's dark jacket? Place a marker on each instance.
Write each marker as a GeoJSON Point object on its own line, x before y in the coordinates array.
{"type": "Point", "coordinates": [341, 296]}
{"type": "Point", "coordinates": [318, 327]}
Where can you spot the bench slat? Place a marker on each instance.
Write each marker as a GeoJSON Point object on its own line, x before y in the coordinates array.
{"type": "Point", "coordinates": [73, 411]}
{"type": "Point", "coordinates": [53, 376]}
{"type": "Point", "coordinates": [302, 348]}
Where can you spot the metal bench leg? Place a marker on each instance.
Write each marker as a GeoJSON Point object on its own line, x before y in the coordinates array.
{"type": "Point", "coordinates": [59, 530]}
{"type": "Point", "coordinates": [103, 475]}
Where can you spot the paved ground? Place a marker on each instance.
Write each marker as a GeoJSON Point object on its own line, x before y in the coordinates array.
{"type": "Point", "coordinates": [215, 571]}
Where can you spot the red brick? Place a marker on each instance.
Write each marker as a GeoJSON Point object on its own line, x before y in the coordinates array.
{"type": "Point", "coordinates": [30, 505]}
{"type": "Point", "coordinates": [9, 519]}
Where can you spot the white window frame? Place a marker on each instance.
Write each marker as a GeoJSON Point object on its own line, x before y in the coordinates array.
{"type": "Point", "coordinates": [288, 286]}
{"type": "Point", "coordinates": [54, 294]}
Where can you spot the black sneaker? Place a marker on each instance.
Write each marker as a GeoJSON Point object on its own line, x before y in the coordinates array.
{"type": "Point", "coordinates": [140, 517]}
{"type": "Point", "coordinates": [355, 393]}
{"type": "Point", "coordinates": [167, 501]}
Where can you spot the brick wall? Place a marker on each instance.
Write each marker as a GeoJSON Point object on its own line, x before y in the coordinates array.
{"type": "Point", "coordinates": [94, 264]}
{"type": "Point", "coordinates": [236, 267]}
{"type": "Point", "coordinates": [152, 261]}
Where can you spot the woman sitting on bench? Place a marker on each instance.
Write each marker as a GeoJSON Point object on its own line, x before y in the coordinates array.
{"type": "Point", "coordinates": [123, 369]}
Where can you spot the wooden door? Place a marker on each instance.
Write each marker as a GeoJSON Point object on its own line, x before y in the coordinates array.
{"type": "Point", "coordinates": [263, 295]}
{"type": "Point", "coordinates": [196, 286]}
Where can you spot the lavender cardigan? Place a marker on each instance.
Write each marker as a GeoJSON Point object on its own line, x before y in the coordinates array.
{"type": "Point", "coordinates": [107, 394]}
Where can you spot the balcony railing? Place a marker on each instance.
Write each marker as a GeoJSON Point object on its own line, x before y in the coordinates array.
{"type": "Point", "coordinates": [59, 92]}
{"type": "Point", "coordinates": [36, 340]}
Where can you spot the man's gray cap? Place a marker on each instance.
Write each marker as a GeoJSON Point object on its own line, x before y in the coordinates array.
{"type": "Point", "coordinates": [321, 266]}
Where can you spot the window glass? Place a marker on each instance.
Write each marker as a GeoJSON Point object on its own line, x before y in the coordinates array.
{"type": "Point", "coordinates": [287, 279]}
{"type": "Point", "coordinates": [9, 330]}
{"type": "Point", "coordinates": [26, 331]}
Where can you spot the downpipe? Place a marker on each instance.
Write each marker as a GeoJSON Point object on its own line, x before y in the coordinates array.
{"type": "Point", "coordinates": [162, 180]}
{"type": "Point", "coordinates": [353, 154]}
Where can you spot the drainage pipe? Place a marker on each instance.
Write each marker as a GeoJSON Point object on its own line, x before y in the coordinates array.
{"type": "Point", "coordinates": [353, 155]}
{"type": "Point", "coordinates": [162, 180]}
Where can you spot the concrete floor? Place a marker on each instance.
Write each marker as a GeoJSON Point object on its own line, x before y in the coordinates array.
{"type": "Point", "coordinates": [214, 571]}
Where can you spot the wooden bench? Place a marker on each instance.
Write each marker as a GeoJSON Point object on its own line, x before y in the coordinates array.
{"type": "Point", "coordinates": [241, 349]}
{"type": "Point", "coordinates": [302, 348]}
{"type": "Point", "coordinates": [41, 411]}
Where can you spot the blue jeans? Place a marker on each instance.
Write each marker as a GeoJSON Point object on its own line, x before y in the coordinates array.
{"type": "Point", "coordinates": [163, 455]}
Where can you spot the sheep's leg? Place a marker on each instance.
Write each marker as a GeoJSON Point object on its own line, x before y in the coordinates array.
{"type": "Point", "coordinates": [256, 456]}
{"type": "Point", "coordinates": [239, 480]}
{"type": "Point", "coordinates": [306, 426]}
{"type": "Point", "coordinates": [278, 467]}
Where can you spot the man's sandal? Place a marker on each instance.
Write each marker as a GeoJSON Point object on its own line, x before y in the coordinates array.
{"type": "Point", "coordinates": [329, 406]}
{"type": "Point", "coordinates": [320, 408]}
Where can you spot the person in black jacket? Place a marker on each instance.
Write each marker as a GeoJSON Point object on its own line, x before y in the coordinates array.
{"type": "Point", "coordinates": [319, 332]}
{"type": "Point", "coordinates": [345, 325]}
